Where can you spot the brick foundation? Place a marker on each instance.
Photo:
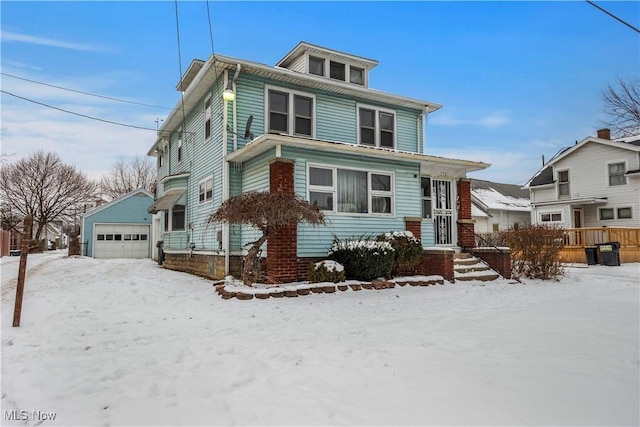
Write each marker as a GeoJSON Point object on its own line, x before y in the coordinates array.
{"type": "Point", "coordinates": [498, 259]}
{"type": "Point", "coordinates": [211, 266]}
{"type": "Point", "coordinates": [466, 237]}
{"type": "Point", "coordinates": [282, 246]}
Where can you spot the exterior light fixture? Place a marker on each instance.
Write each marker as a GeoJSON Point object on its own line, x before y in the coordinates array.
{"type": "Point", "coordinates": [229, 94]}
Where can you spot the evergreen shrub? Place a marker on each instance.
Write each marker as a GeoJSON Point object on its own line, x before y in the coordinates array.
{"type": "Point", "coordinates": [364, 258]}
{"type": "Point", "coordinates": [326, 271]}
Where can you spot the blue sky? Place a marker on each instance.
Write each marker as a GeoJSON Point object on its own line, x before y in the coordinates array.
{"type": "Point", "coordinates": [518, 80]}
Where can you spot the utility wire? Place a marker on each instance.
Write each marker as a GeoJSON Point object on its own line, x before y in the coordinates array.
{"type": "Point", "coordinates": [84, 93]}
{"type": "Point", "coordinates": [613, 16]}
{"type": "Point", "coordinates": [184, 119]}
{"type": "Point", "coordinates": [76, 114]}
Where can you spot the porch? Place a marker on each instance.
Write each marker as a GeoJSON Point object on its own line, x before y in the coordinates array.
{"type": "Point", "coordinates": [577, 239]}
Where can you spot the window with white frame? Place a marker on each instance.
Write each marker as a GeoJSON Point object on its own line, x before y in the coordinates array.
{"type": "Point", "coordinates": [624, 213]}
{"type": "Point", "coordinates": [616, 174]}
{"type": "Point", "coordinates": [606, 214]}
{"type": "Point", "coordinates": [425, 186]}
{"type": "Point", "coordinates": [174, 218]}
{"type": "Point", "coordinates": [207, 118]}
{"type": "Point", "coordinates": [351, 191]}
{"type": "Point", "coordinates": [205, 190]}
{"type": "Point", "coordinates": [280, 119]}
{"type": "Point", "coordinates": [551, 217]}
{"type": "Point", "coordinates": [376, 127]}
{"type": "Point", "coordinates": [180, 145]}
{"type": "Point", "coordinates": [564, 190]}
{"type": "Point", "coordinates": [356, 75]}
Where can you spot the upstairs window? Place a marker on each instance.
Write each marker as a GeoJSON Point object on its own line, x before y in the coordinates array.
{"type": "Point", "coordinates": [316, 66]}
{"type": "Point", "coordinates": [205, 190]}
{"type": "Point", "coordinates": [376, 127]}
{"type": "Point", "coordinates": [616, 174]}
{"type": "Point", "coordinates": [337, 70]}
{"type": "Point", "coordinates": [563, 185]}
{"type": "Point", "coordinates": [207, 118]}
{"type": "Point", "coordinates": [280, 119]}
{"type": "Point", "coordinates": [356, 75]}
{"type": "Point", "coordinates": [180, 145]}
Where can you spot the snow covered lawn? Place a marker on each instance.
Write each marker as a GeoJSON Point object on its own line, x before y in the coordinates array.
{"type": "Point", "coordinates": [126, 342]}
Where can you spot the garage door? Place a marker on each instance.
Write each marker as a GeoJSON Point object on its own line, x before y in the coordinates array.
{"type": "Point", "coordinates": [121, 241]}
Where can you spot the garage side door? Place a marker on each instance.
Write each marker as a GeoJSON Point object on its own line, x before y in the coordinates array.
{"type": "Point", "coordinates": [121, 241]}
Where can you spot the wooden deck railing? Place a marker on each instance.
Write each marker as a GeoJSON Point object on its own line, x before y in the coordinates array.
{"type": "Point", "coordinates": [577, 239]}
{"type": "Point", "coordinates": [583, 237]}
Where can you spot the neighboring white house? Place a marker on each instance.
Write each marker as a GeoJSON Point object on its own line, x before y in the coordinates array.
{"type": "Point", "coordinates": [497, 206]}
{"type": "Point", "coordinates": [594, 183]}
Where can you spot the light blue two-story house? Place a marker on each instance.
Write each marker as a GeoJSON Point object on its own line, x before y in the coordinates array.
{"type": "Point", "coordinates": [310, 123]}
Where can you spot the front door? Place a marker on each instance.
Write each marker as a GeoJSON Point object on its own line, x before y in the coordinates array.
{"type": "Point", "coordinates": [443, 211]}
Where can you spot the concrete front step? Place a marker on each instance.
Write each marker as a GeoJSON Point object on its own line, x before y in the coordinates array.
{"type": "Point", "coordinates": [467, 267]}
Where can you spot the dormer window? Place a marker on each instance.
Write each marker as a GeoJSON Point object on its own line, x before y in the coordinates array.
{"type": "Point", "coordinates": [337, 70]}
{"type": "Point", "coordinates": [356, 75]}
{"type": "Point", "coordinates": [316, 66]}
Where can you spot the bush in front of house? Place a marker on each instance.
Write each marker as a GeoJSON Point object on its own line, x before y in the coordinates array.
{"type": "Point", "coordinates": [535, 251]}
{"type": "Point", "coordinates": [363, 258]}
{"type": "Point", "coordinates": [407, 249]}
{"type": "Point", "coordinates": [326, 271]}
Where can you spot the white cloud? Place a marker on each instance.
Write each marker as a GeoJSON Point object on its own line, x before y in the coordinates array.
{"type": "Point", "coordinates": [8, 36]}
{"type": "Point", "coordinates": [492, 120]}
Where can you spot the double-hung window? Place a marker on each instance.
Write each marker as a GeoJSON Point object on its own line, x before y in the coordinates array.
{"type": "Point", "coordinates": [376, 127]}
{"type": "Point", "coordinates": [207, 118]}
{"type": "Point", "coordinates": [616, 174]}
{"type": "Point", "coordinates": [290, 112]}
{"type": "Point", "coordinates": [205, 190]}
{"type": "Point", "coordinates": [425, 185]}
{"type": "Point", "coordinates": [180, 145]}
{"type": "Point", "coordinates": [563, 184]}
{"type": "Point", "coordinates": [351, 191]}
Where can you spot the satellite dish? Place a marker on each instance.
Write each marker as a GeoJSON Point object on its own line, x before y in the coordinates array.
{"type": "Point", "coordinates": [247, 130]}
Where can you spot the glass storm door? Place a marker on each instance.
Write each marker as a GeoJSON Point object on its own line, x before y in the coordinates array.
{"type": "Point", "coordinates": [443, 211]}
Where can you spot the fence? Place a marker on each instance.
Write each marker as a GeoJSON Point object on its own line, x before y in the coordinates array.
{"type": "Point", "coordinates": [577, 239]}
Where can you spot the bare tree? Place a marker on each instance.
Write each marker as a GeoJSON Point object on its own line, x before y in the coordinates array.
{"type": "Point", "coordinates": [622, 106]}
{"type": "Point", "coordinates": [130, 174]}
{"type": "Point", "coordinates": [267, 211]}
{"type": "Point", "coordinates": [43, 187]}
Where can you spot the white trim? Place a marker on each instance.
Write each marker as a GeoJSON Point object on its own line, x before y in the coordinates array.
{"type": "Point", "coordinates": [377, 111]}
{"type": "Point", "coordinates": [291, 113]}
{"type": "Point", "coordinates": [370, 192]}
{"type": "Point", "coordinates": [568, 182]}
{"type": "Point", "coordinates": [207, 112]}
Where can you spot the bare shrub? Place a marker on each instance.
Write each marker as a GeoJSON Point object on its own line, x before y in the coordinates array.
{"type": "Point", "coordinates": [535, 251]}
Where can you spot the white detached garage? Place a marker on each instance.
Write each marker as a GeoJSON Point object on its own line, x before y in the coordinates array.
{"type": "Point", "coordinates": [120, 228]}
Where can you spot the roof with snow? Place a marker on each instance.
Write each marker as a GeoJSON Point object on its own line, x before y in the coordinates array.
{"type": "Point", "coordinates": [497, 196]}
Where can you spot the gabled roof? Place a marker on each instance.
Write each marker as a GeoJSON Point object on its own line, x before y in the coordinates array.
{"type": "Point", "coordinates": [544, 176]}
{"type": "Point", "coordinates": [136, 192]}
{"type": "Point", "coordinates": [496, 196]}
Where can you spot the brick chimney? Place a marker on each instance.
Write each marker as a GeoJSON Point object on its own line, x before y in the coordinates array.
{"type": "Point", "coordinates": [604, 133]}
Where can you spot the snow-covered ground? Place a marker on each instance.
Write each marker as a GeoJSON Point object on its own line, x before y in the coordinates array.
{"type": "Point", "coordinates": [126, 342]}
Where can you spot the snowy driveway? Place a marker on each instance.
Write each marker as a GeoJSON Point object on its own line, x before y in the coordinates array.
{"type": "Point", "coordinates": [125, 342]}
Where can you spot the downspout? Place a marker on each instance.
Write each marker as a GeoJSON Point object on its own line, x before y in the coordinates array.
{"type": "Point", "coordinates": [225, 177]}
{"type": "Point", "coordinates": [235, 120]}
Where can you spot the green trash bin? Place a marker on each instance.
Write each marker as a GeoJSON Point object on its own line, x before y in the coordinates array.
{"type": "Point", "coordinates": [609, 253]}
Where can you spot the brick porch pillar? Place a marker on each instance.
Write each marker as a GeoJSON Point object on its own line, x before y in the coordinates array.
{"type": "Point", "coordinates": [282, 246]}
{"type": "Point", "coordinates": [414, 225]}
{"type": "Point", "coordinates": [466, 237]}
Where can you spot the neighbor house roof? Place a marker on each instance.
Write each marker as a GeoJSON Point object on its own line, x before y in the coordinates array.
{"type": "Point", "coordinates": [497, 196]}
{"type": "Point", "coordinates": [544, 176]}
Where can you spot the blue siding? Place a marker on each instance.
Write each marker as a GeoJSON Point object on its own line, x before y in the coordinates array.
{"type": "Point", "coordinates": [130, 210]}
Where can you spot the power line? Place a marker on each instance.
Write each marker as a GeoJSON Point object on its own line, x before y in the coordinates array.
{"type": "Point", "coordinates": [613, 16]}
{"type": "Point", "coordinates": [75, 113]}
{"type": "Point", "coordinates": [84, 93]}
